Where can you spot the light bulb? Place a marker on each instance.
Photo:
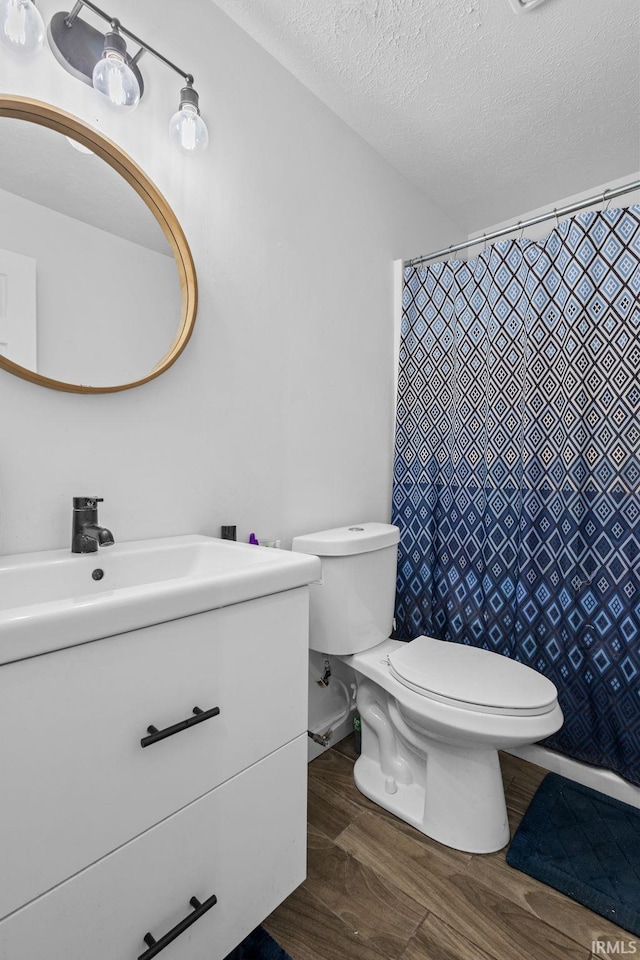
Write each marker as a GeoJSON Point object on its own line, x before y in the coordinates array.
{"type": "Point", "coordinates": [187, 129]}
{"type": "Point", "coordinates": [113, 77]}
{"type": "Point", "coordinates": [21, 26]}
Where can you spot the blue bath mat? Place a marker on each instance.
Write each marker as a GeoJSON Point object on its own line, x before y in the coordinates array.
{"type": "Point", "coordinates": [258, 946]}
{"type": "Point", "coordinates": [584, 844]}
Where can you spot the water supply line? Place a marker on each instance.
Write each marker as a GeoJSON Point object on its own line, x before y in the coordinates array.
{"type": "Point", "coordinates": [324, 739]}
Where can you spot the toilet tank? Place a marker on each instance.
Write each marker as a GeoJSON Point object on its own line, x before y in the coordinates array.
{"type": "Point", "coordinates": [352, 608]}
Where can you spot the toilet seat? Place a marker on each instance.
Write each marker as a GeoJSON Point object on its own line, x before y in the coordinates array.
{"type": "Point", "coordinates": [471, 678]}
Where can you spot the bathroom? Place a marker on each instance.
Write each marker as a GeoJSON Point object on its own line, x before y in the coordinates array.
{"type": "Point", "coordinates": [278, 416]}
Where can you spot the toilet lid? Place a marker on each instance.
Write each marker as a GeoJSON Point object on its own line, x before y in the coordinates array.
{"type": "Point", "coordinates": [471, 678]}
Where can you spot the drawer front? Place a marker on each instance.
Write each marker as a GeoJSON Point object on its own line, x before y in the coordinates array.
{"type": "Point", "coordinates": [244, 843]}
{"type": "Point", "coordinates": [75, 782]}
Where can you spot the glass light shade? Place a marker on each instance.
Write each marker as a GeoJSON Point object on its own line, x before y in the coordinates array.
{"type": "Point", "coordinates": [187, 129]}
{"type": "Point", "coordinates": [116, 80]}
{"type": "Point", "coordinates": [21, 26]}
{"type": "Point", "coordinates": [80, 147]}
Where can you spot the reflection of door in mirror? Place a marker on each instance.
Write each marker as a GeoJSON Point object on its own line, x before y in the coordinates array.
{"type": "Point", "coordinates": [18, 309]}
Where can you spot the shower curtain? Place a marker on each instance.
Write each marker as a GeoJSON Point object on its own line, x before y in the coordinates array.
{"type": "Point", "coordinates": [517, 474]}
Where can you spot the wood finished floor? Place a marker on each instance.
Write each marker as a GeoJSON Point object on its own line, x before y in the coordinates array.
{"type": "Point", "coordinates": [377, 889]}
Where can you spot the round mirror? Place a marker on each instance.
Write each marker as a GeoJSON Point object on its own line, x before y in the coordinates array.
{"type": "Point", "coordinates": [97, 283]}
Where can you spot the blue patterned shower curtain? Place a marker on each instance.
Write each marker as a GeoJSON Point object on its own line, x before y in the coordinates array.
{"type": "Point", "coordinates": [517, 475]}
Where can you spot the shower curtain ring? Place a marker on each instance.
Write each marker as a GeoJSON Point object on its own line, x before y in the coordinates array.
{"type": "Point", "coordinates": [555, 213]}
{"type": "Point", "coordinates": [484, 244]}
{"type": "Point", "coordinates": [608, 201]}
{"type": "Point", "coordinates": [521, 231]}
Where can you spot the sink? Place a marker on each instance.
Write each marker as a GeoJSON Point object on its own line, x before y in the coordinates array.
{"type": "Point", "coordinates": [57, 599]}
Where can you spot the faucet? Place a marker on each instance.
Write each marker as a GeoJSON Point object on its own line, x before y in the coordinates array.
{"type": "Point", "coordinates": [86, 535]}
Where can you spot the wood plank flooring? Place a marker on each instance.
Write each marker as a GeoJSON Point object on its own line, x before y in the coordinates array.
{"type": "Point", "coordinates": [377, 889]}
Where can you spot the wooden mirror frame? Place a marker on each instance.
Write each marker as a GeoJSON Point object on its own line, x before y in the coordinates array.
{"type": "Point", "coordinates": [35, 111]}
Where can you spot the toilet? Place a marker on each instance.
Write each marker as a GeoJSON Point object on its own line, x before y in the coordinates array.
{"type": "Point", "coordinates": [434, 713]}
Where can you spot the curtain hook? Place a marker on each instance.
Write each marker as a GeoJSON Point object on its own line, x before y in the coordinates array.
{"type": "Point", "coordinates": [555, 213]}
{"type": "Point", "coordinates": [484, 245]}
{"type": "Point", "coordinates": [608, 201]}
{"type": "Point", "coordinates": [519, 224]}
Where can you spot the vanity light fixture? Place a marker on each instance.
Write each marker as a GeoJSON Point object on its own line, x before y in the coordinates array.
{"type": "Point", "coordinates": [21, 26]}
{"type": "Point", "coordinates": [102, 61]}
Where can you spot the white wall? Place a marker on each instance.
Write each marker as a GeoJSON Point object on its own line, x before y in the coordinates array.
{"type": "Point", "coordinates": [91, 329]}
{"type": "Point", "coordinates": [278, 417]}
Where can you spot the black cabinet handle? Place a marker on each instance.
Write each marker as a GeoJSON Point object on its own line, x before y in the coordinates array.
{"type": "Point", "coordinates": [155, 946]}
{"type": "Point", "coordinates": [200, 715]}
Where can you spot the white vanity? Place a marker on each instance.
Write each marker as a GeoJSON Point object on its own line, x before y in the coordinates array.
{"type": "Point", "coordinates": [114, 850]}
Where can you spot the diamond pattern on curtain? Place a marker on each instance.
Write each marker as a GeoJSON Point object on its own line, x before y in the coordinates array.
{"type": "Point", "coordinates": [517, 471]}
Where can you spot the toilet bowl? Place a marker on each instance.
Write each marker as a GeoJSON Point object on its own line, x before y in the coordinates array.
{"type": "Point", "coordinates": [431, 756]}
{"type": "Point", "coordinates": [434, 713]}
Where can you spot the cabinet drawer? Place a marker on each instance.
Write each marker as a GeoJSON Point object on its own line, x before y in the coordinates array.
{"type": "Point", "coordinates": [75, 782]}
{"type": "Point", "coordinates": [244, 843]}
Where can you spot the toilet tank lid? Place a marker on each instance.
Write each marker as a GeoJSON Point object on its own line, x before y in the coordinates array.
{"type": "Point", "coordinates": [342, 541]}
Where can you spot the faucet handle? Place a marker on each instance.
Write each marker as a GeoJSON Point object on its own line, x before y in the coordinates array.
{"type": "Point", "coordinates": [86, 503]}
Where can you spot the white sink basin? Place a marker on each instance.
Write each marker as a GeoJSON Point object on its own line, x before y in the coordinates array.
{"type": "Point", "coordinates": [51, 600]}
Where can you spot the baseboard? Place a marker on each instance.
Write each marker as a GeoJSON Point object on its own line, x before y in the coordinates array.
{"type": "Point", "coordinates": [595, 777]}
{"type": "Point", "coordinates": [340, 731]}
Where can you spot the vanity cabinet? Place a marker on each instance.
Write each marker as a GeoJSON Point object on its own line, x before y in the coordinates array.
{"type": "Point", "coordinates": [104, 841]}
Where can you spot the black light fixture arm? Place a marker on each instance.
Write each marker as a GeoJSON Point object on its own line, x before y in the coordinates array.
{"type": "Point", "coordinates": [116, 25]}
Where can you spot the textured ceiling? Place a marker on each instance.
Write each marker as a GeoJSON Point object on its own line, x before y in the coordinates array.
{"type": "Point", "coordinates": [488, 112]}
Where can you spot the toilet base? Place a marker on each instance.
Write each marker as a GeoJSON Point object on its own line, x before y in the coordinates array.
{"type": "Point", "coordinates": [453, 794]}
{"type": "Point", "coordinates": [469, 821]}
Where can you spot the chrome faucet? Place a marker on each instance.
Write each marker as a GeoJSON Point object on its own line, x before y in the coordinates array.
{"type": "Point", "coordinates": [86, 535]}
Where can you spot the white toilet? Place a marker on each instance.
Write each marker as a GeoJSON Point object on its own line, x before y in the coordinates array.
{"type": "Point", "coordinates": [434, 713]}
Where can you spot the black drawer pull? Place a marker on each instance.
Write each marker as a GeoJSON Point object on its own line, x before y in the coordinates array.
{"type": "Point", "coordinates": [200, 715]}
{"type": "Point", "coordinates": [155, 946]}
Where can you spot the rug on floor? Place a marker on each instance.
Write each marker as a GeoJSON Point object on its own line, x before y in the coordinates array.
{"type": "Point", "coordinates": [585, 844]}
{"type": "Point", "coordinates": [259, 945]}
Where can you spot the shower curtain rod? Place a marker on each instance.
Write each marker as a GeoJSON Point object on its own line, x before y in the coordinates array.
{"type": "Point", "coordinates": [523, 224]}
